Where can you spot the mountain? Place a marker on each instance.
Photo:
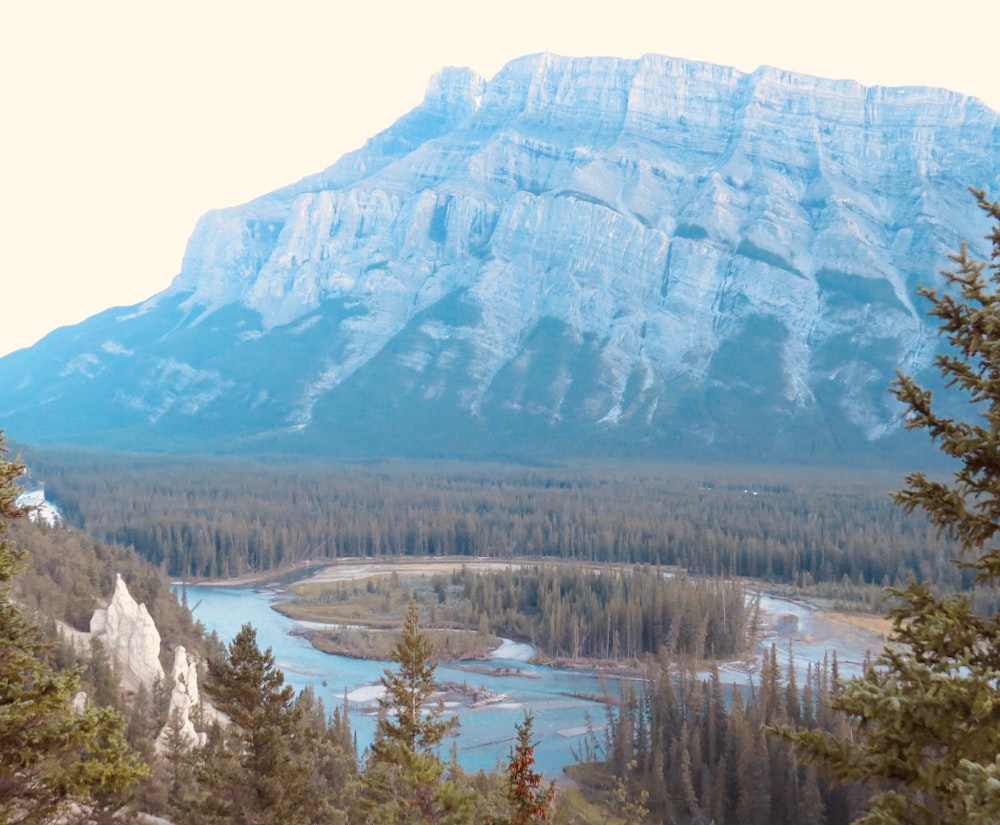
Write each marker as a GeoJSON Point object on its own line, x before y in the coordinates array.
{"type": "Point", "coordinates": [646, 257]}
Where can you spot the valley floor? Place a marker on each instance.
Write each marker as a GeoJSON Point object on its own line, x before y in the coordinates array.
{"type": "Point", "coordinates": [802, 630]}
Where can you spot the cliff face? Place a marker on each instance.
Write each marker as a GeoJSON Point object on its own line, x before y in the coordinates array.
{"type": "Point", "coordinates": [651, 255]}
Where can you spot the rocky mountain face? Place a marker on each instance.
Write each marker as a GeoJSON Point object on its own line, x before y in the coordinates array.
{"type": "Point", "coordinates": [645, 257]}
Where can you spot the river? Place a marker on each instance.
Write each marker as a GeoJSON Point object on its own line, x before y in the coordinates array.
{"type": "Point", "coordinates": [485, 734]}
{"type": "Point", "coordinates": [556, 697]}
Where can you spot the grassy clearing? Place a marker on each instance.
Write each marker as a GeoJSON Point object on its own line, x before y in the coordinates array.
{"type": "Point", "coordinates": [367, 613]}
{"type": "Point", "coordinates": [572, 806]}
{"type": "Point", "coordinates": [377, 602]}
{"type": "Point", "coordinates": [365, 643]}
{"type": "Point", "coordinates": [878, 625]}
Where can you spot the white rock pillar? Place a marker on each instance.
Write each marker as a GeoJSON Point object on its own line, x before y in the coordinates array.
{"type": "Point", "coordinates": [131, 636]}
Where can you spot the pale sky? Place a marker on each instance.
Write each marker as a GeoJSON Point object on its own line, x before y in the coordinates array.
{"type": "Point", "coordinates": [123, 122]}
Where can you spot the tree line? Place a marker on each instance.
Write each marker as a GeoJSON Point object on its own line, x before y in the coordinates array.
{"type": "Point", "coordinates": [698, 751]}
{"type": "Point", "coordinates": [71, 572]}
{"type": "Point", "coordinates": [564, 610]}
{"type": "Point", "coordinates": [283, 758]}
{"type": "Point", "coordinates": [214, 518]}
{"type": "Point", "coordinates": [574, 611]}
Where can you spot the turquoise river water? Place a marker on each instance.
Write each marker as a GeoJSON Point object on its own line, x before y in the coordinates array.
{"type": "Point", "coordinates": [555, 697]}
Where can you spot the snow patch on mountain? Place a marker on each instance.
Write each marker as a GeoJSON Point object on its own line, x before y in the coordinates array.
{"type": "Point", "coordinates": [114, 348]}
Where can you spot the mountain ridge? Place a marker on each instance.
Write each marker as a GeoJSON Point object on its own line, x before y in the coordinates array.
{"type": "Point", "coordinates": [647, 254]}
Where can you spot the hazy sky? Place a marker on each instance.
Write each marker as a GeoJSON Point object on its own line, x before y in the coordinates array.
{"type": "Point", "coordinates": [123, 122]}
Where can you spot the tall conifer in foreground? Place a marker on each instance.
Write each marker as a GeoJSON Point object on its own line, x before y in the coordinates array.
{"type": "Point", "coordinates": [928, 711]}
{"type": "Point", "coordinates": [56, 764]}
{"type": "Point", "coordinates": [404, 780]}
{"type": "Point", "coordinates": [257, 766]}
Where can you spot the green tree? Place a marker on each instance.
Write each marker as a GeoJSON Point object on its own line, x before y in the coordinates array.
{"type": "Point", "coordinates": [530, 799]}
{"type": "Point", "coordinates": [406, 718]}
{"type": "Point", "coordinates": [329, 759]}
{"type": "Point", "coordinates": [256, 767]}
{"type": "Point", "coordinates": [53, 759]}
{"type": "Point", "coordinates": [404, 779]}
{"type": "Point", "coordinates": [928, 711]}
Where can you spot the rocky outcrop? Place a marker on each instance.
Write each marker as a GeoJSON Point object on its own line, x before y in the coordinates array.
{"type": "Point", "coordinates": [79, 702]}
{"type": "Point", "coordinates": [189, 715]}
{"type": "Point", "coordinates": [184, 705]}
{"type": "Point", "coordinates": [130, 634]}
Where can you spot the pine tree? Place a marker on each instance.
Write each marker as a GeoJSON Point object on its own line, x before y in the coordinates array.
{"type": "Point", "coordinates": [404, 780]}
{"type": "Point", "coordinates": [329, 759]}
{"type": "Point", "coordinates": [928, 711]}
{"type": "Point", "coordinates": [53, 759]}
{"type": "Point", "coordinates": [628, 804]}
{"type": "Point", "coordinates": [258, 766]}
{"type": "Point", "coordinates": [753, 775]}
{"type": "Point", "coordinates": [407, 691]}
{"type": "Point", "coordinates": [173, 788]}
{"type": "Point", "coordinates": [529, 797]}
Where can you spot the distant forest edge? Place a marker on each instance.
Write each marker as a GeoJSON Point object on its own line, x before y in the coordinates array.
{"type": "Point", "coordinates": [218, 518]}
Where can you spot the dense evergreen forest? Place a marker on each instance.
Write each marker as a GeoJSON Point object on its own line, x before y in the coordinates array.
{"type": "Point", "coordinates": [70, 573]}
{"type": "Point", "coordinates": [699, 752]}
{"type": "Point", "coordinates": [573, 612]}
{"type": "Point", "coordinates": [218, 518]}
{"type": "Point", "coordinates": [677, 750]}
{"type": "Point", "coordinates": [288, 759]}
{"type": "Point", "coordinates": [279, 757]}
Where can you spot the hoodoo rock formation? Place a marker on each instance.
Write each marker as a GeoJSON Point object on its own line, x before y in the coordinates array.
{"type": "Point", "coordinates": [132, 639]}
{"type": "Point", "coordinates": [184, 705]}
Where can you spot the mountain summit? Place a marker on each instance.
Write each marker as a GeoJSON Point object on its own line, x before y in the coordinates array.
{"type": "Point", "coordinates": [600, 256]}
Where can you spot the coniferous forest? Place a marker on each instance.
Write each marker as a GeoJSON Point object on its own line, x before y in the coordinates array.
{"type": "Point", "coordinates": [565, 611]}
{"type": "Point", "coordinates": [611, 614]}
{"type": "Point", "coordinates": [286, 758]}
{"type": "Point", "coordinates": [697, 752]}
{"type": "Point", "coordinates": [218, 518]}
{"type": "Point", "coordinates": [675, 749]}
